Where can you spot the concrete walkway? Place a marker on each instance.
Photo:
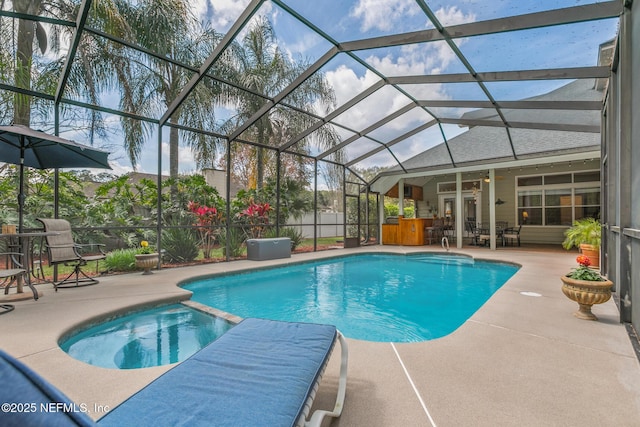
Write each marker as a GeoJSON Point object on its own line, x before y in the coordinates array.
{"type": "Point", "coordinates": [518, 361]}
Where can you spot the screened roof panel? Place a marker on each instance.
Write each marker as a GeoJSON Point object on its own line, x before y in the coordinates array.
{"type": "Point", "coordinates": [535, 141]}
{"type": "Point", "coordinates": [359, 147]}
{"type": "Point", "coordinates": [417, 143]}
{"type": "Point", "coordinates": [562, 46]}
{"type": "Point", "coordinates": [449, 14]}
{"type": "Point", "coordinates": [334, 74]}
{"type": "Point", "coordinates": [319, 140]}
{"type": "Point", "coordinates": [446, 91]}
{"type": "Point", "coordinates": [523, 89]}
{"type": "Point", "coordinates": [220, 15]}
{"type": "Point", "coordinates": [348, 79]}
{"type": "Point", "coordinates": [554, 117]}
{"type": "Point", "coordinates": [349, 20]}
{"type": "Point", "coordinates": [381, 159]}
{"type": "Point", "coordinates": [437, 156]}
{"type": "Point", "coordinates": [481, 143]}
{"type": "Point", "coordinates": [452, 130]}
{"type": "Point", "coordinates": [435, 57]}
{"type": "Point", "coordinates": [295, 38]}
{"type": "Point", "coordinates": [375, 107]}
{"type": "Point", "coordinates": [284, 124]}
{"type": "Point", "coordinates": [401, 125]}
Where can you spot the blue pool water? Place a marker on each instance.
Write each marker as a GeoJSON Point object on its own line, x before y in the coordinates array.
{"type": "Point", "coordinates": [152, 337]}
{"type": "Point", "coordinates": [386, 298]}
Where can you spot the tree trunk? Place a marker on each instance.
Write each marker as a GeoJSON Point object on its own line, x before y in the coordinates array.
{"type": "Point", "coordinates": [24, 55]}
{"type": "Point", "coordinates": [174, 146]}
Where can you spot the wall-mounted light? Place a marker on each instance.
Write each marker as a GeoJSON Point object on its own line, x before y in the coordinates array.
{"type": "Point", "coordinates": [499, 201]}
{"type": "Point", "coordinates": [487, 179]}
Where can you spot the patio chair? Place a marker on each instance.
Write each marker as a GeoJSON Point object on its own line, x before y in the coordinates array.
{"type": "Point", "coordinates": [10, 273]}
{"type": "Point", "coordinates": [511, 234]}
{"type": "Point", "coordinates": [479, 234]}
{"type": "Point", "coordinates": [261, 372]}
{"type": "Point", "coordinates": [61, 249]}
{"type": "Point", "coordinates": [483, 235]}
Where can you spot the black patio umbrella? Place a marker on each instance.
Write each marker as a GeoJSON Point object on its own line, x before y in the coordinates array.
{"type": "Point", "coordinates": [23, 146]}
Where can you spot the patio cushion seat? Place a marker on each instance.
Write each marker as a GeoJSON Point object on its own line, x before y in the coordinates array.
{"type": "Point", "coordinates": [260, 373]}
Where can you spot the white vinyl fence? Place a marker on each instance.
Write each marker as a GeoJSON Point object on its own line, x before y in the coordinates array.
{"type": "Point", "coordinates": [330, 224]}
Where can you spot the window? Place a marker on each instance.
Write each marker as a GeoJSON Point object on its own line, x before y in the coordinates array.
{"type": "Point", "coordinates": [558, 199]}
{"type": "Point", "coordinates": [558, 207]}
{"type": "Point", "coordinates": [587, 202]}
{"type": "Point", "coordinates": [450, 187]}
{"type": "Point", "coordinates": [530, 207]}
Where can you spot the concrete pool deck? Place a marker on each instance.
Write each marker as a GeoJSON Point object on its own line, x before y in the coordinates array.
{"type": "Point", "coordinates": [519, 360]}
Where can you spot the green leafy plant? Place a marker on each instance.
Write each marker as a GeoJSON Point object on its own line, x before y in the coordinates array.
{"type": "Point", "coordinates": [583, 272]}
{"type": "Point", "coordinates": [121, 260]}
{"type": "Point", "coordinates": [584, 231]}
{"type": "Point", "coordinates": [236, 238]}
{"type": "Point", "coordinates": [145, 248]}
{"type": "Point", "coordinates": [180, 245]}
{"type": "Point", "coordinates": [207, 219]}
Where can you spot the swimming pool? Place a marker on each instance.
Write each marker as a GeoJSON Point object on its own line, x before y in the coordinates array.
{"type": "Point", "coordinates": [373, 297]}
{"type": "Point", "coordinates": [153, 337]}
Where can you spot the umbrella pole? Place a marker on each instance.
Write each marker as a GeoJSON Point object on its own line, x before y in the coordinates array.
{"type": "Point", "coordinates": [21, 191]}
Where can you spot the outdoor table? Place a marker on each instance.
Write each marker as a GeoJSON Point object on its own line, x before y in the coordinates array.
{"type": "Point", "coordinates": [25, 240]}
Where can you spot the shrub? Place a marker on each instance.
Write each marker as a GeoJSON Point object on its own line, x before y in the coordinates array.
{"type": "Point", "coordinates": [236, 238]}
{"type": "Point", "coordinates": [293, 233]}
{"type": "Point", "coordinates": [121, 260]}
{"type": "Point", "coordinates": [180, 245]}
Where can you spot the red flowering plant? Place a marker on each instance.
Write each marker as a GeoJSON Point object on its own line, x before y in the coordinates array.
{"type": "Point", "coordinates": [207, 220]}
{"type": "Point", "coordinates": [583, 272]}
{"type": "Point", "coordinates": [257, 216]}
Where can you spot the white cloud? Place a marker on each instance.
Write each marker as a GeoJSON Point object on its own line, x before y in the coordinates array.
{"type": "Point", "coordinates": [453, 16]}
{"type": "Point", "coordinates": [383, 15]}
{"type": "Point", "coordinates": [221, 13]}
{"type": "Point", "coordinates": [347, 84]}
{"type": "Point", "coordinates": [186, 160]}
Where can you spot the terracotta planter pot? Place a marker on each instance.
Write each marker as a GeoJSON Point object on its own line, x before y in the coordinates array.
{"type": "Point", "coordinates": [586, 293]}
{"type": "Point", "coordinates": [147, 262]}
{"type": "Point", "coordinates": [591, 252]}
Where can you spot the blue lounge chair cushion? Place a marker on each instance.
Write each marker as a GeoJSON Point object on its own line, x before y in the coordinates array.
{"type": "Point", "coordinates": [30, 401]}
{"type": "Point", "coordinates": [259, 373]}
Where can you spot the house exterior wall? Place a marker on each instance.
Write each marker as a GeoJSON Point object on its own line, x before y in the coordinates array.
{"type": "Point", "coordinates": [506, 190]}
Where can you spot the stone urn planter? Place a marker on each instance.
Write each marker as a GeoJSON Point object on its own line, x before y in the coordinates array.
{"type": "Point", "coordinates": [147, 261]}
{"type": "Point", "coordinates": [586, 293]}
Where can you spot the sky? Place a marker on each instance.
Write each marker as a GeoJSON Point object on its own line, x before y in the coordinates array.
{"type": "Point", "coordinates": [343, 21]}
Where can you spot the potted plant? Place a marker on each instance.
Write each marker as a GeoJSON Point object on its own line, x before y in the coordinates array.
{"type": "Point", "coordinates": [146, 258]}
{"type": "Point", "coordinates": [586, 235]}
{"type": "Point", "coordinates": [586, 287]}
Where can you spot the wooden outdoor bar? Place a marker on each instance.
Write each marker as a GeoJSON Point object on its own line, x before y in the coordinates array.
{"type": "Point", "coordinates": [407, 232]}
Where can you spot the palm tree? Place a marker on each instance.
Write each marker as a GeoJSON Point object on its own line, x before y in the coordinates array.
{"type": "Point", "coordinates": [95, 68]}
{"type": "Point", "coordinates": [169, 29]}
{"type": "Point", "coordinates": [261, 67]}
{"type": "Point", "coordinates": [27, 30]}
{"type": "Point", "coordinates": [147, 84]}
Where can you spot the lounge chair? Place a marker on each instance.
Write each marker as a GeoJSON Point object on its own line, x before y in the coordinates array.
{"type": "Point", "coordinates": [259, 373]}
{"type": "Point", "coordinates": [61, 249]}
